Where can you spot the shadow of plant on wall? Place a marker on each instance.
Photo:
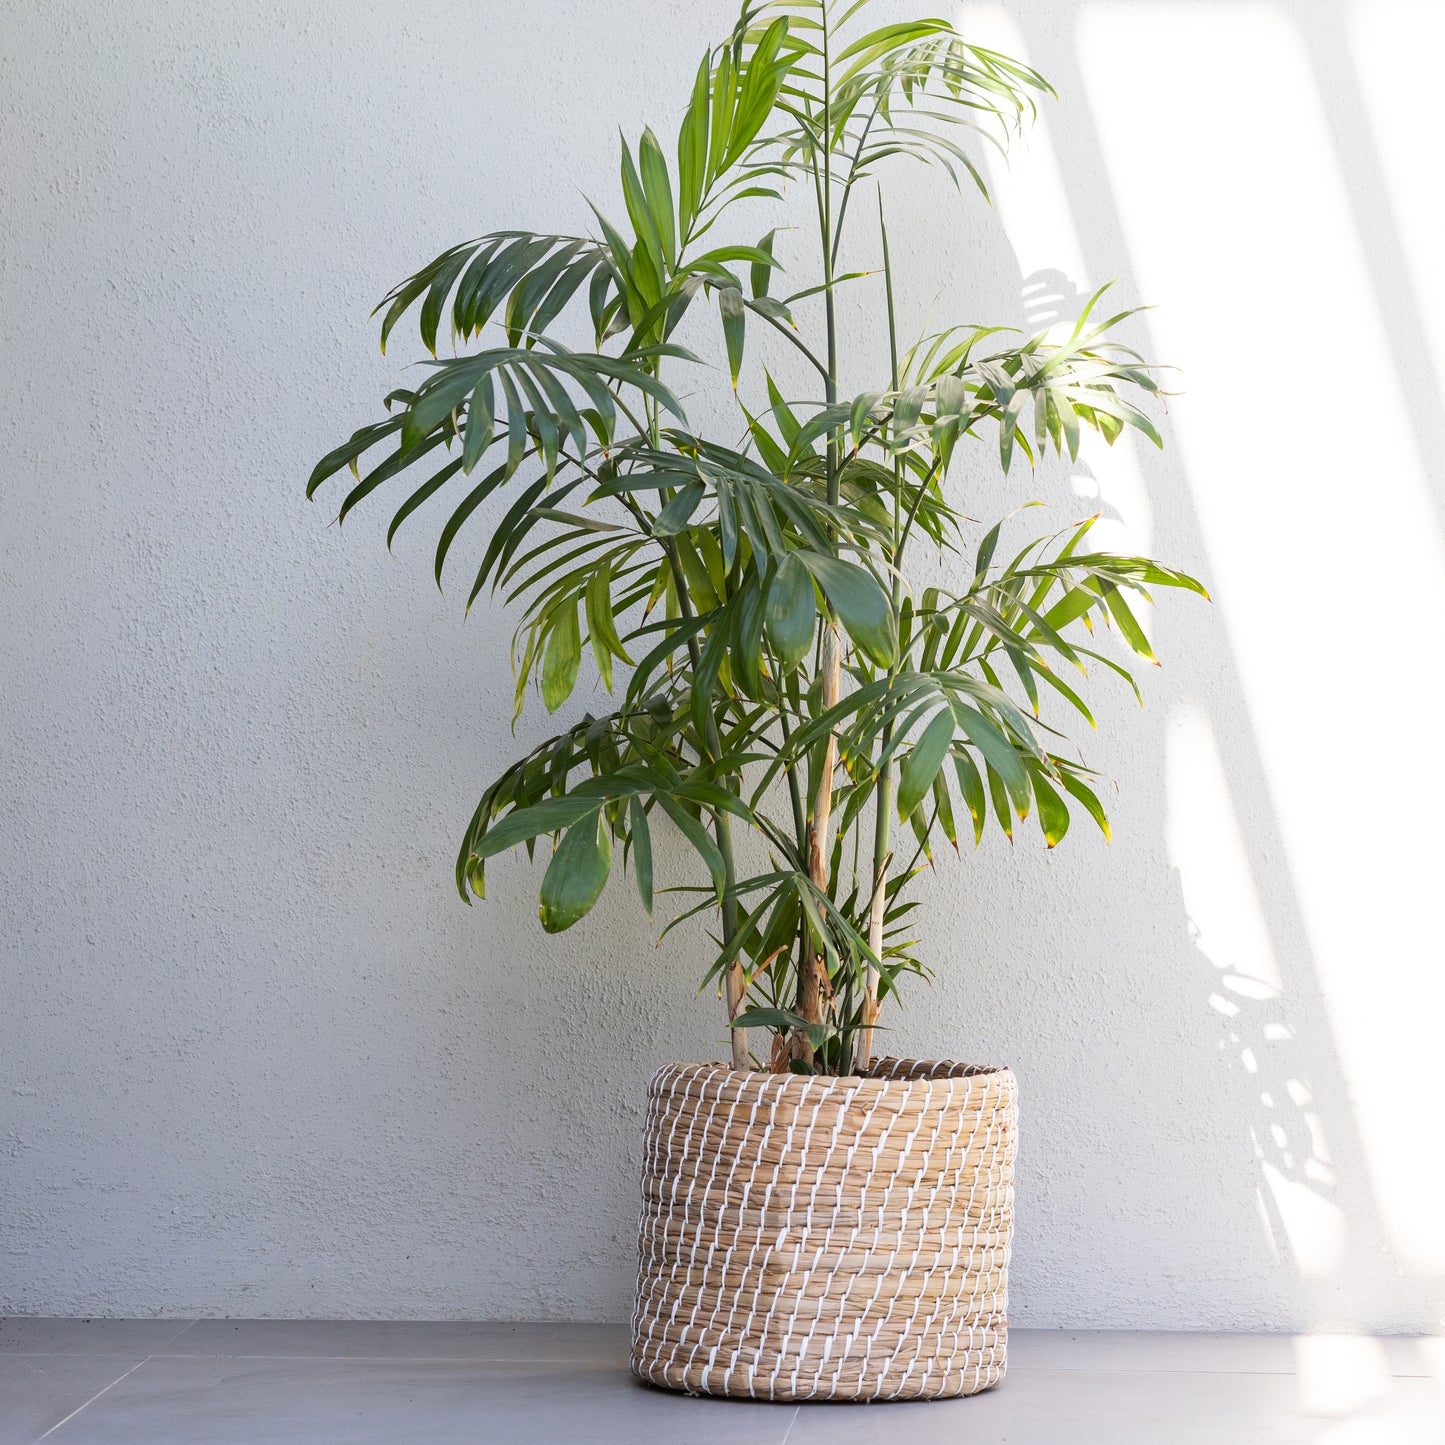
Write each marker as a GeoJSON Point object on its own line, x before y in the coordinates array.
{"type": "Point", "coordinates": [1050, 297]}
{"type": "Point", "coordinates": [1273, 1096]}
{"type": "Point", "coordinates": [1285, 1094]}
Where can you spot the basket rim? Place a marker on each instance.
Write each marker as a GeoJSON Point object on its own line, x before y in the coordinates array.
{"type": "Point", "coordinates": [762, 1079]}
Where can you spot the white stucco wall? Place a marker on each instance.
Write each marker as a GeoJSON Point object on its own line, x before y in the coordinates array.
{"type": "Point", "coordinates": [257, 1059]}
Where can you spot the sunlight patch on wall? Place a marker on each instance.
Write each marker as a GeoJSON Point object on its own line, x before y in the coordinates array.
{"type": "Point", "coordinates": [1028, 189]}
{"type": "Point", "coordinates": [1256, 1037]}
{"type": "Point", "coordinates": [1401, 84]}
{"type": "Point", "coordinates": [1314, 1228]}
{"type": "Point", "coordinates": [1324, 551]}
{"type": "Point", "coordinates": [1206, 847]}
{"type": "Point", "coordinates": [1033, 207]}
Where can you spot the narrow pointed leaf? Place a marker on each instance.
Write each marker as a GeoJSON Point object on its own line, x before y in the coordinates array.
{"type": "Point", "coordinates": [734, 319]}
{"type": "Point", "coordinates": [860, 602]}
{"type": "Point", "coordinates": [1128, 623]}
{"type": "Point", "coordinates": [641, 851]}
{"type": "Point", "coordinates": [920, 767]}
{"type": "Point", "coordinates": [1091, 803]}
{"type": "Point", "coordinates": [1053, 812]}
{"type": "Point", "coordinates": [658, 189]}
{"type": "Point", "coordinates": [970, 784]}
{"type": "Point", "coordinates": [564, 656]}
{"type": "Point", "coordinates": [524, 824]}
{"type": "Point", "coordinates": [576, 875]}
{"type": "Point", "coordinates": [792, 611]}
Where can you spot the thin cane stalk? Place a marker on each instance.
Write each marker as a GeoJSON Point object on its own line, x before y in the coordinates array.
{"type": "Point", "coordinates": [883, 790]}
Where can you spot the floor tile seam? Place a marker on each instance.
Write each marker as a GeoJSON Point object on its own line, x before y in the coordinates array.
{"type": "Point", "coordinates": [9, 1353]}
{"type": "Point", "coordinates": [184, 1329]}
{"type": "Point", "coordinates": [1018, 1369]}
{"type": "Point", "coordinates": [85, 1405]}
{"type": "Point", "coordinates": [389, 1359]}
{"type": "Point", "coordinates": [1015, 1369]}
{"type": "Point", "coordinates": [788, 1433]}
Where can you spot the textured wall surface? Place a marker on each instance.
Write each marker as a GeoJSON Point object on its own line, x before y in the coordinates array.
{"type": "Point", "coordinates": [257, 1059]}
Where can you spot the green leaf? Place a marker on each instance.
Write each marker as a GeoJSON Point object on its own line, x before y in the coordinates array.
{"type": "Point", "coordinates": [1091, 803]}
{"type": "Point", "coordinates": [422, 493]}
{"type": "Point", "coordinates": [348, 452]}
{"type": "Point", "coordinates": [1053, 812]}
{"type": "Point", "coordinates": [772, 455]}
{"type": "Point", "coordinates": [464, 509]}
{"type": "Point", "coordinates": [641, 850]}
{"type": "Point", "coordinates": [674, 516]}
{"type": "Point", "coordinates": [523, 824]}
{"type": "Point", "coordinates": [644, 226]}
{"type": "Point", "coordinates": [598, 600]}
{"type": "Point", "coordinates": [746, 651]}
{"type": "Point", "coordinates": [792, 612]}
{"type": "Point", "coordinates": [828, 419]}
{"type": "Point", "coordinates": [564, 656]}
{"type": "Point", "coordinates": [943, 808]}
{"type": "Point", "coordinates": [516, 424]}
{"type": "Point", "coordinates": [474, 878]}
{"type": "Point", "coordinates": [721, 111]}
{"type": "Point", "coordinates": [788, 424]}
{"type": "Point", "coordinates": [696, 834]}
{"type": "Point", "coordinates": [576, 875]}
{"type": "Point", "coordinates": [860, 602]}
{"type": "Point", "coordinates": [998, 752]}
{"type": "Point", "coordinates": [998, 795]}
{"type": "Point", "coordinates": [970, 784]}
{"type": "Point", "coordinates": [734, 315]}
{"type": "Point", "coordinates": [1073, 605]}
{"type": "Point", "coordinates": [695, 573]}
{"type": "Point", "coordinates": [921, 766]}
{"type": "Point", "coordinates": [481, 424]}
{"type": "Point", "coordinates": [658, 190]}
{"type": "Point", "coordinates": [985, 552]}
{"type": "Point", "coordinates": [431, 310]}
{"type": "Point", "coordinates": [783, 1021]}
{"type": "Point", "coordinates": [767, 69]}
{"type": "Point", "coordinates": [761, 272]}
{"type": "Point", "coordinates": [1128, 623]}
{"type": "Point", "coordinates": [602, 624]}
{"type": "Point", "coordinates": [692, 150]}
{"type": "Point", "coordinates": [863, 405]}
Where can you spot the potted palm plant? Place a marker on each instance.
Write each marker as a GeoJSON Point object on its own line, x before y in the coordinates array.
{"type": "Point", "coordinates": [797, 699]}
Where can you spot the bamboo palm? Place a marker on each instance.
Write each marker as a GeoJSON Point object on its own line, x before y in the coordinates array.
{"type": "Point", "coordinates": [775, 670]}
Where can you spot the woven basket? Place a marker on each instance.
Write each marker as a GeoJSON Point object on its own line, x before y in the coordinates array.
{"type": "Point", "coordinates": [825, 1238]}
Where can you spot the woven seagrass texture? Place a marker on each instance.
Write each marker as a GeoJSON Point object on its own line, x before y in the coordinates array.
{"type": "Point", "coordinates": [826, 1238]}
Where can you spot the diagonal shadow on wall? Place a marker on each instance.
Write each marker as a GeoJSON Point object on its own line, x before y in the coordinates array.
{"type": "Point", "coordinates": [1286, 1097]}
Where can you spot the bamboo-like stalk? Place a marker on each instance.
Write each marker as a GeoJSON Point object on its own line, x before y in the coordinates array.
{"type": "Point", "coordinates": [811, 967]}
{"type": "Point", "coordinates": [883, 792]}
{"type": "Point", "coordinates": [811, 983]}
{"type": "Point", "coordinates": [735, 982]}
{"type": "Point", "coordinates": [877, 907]}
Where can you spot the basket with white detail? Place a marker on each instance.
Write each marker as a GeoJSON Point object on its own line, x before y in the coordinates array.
{"type": "Point", "coordinates": [818, 1238]}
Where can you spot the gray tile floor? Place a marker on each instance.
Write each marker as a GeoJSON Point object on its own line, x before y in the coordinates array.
{"type": "Point", "coordinates": [252, 1382]}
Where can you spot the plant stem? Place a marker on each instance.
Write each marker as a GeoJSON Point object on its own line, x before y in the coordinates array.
{"type": "Point", "coordinates": [735, 983]}
{"type": "Point", "coordinates": [852, 174]}
{"type": "Point", "coordinates": [812, 968]}
{"type": "Point", "coordinates": [883, 792]}
{"type": "Point", "coordinates": [795, 791]}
